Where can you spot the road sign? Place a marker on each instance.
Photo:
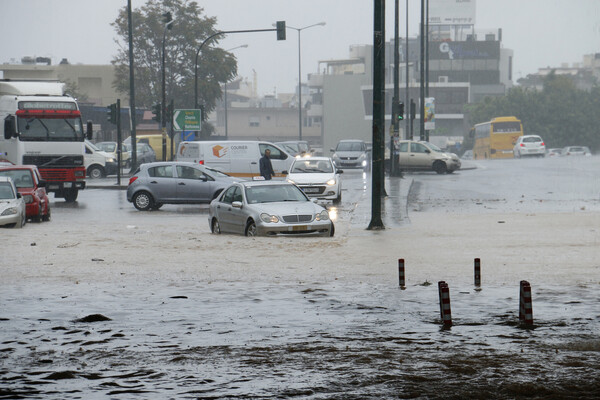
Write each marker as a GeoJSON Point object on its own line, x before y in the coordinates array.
{"type": "Point", "coordinates": [187, 120]}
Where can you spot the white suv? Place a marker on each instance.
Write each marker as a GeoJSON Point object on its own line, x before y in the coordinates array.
{"type": "Point", "coordinates": [529, 145]}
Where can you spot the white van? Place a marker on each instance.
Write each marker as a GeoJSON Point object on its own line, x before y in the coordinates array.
{"type": "Point", "coordinates": [237, 158]}
{"type": "Point", "coordinates": [98, 163]}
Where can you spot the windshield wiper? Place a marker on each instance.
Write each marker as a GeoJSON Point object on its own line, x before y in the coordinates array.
{"type": "Point", "coordinates": [52, 161]}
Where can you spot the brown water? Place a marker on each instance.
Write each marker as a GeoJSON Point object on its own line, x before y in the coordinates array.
{"type": "Point", "coordinates": [319, 340]}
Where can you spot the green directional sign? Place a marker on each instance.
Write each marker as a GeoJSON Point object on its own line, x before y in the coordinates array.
{"type": "Point", "coordinates": [187, 120]}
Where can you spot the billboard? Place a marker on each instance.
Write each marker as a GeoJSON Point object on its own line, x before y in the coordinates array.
{"type": "Point", "coordinates": [452, 12]}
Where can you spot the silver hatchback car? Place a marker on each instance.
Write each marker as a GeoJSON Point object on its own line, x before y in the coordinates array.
{"type": "Point", "coordinates": [174, 182]}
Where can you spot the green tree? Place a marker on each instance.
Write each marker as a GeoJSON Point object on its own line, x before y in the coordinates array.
{"type": "Point", "coordinates": [190, 28]}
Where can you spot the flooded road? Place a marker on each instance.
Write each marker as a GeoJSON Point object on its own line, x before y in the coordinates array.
{"type": "Point", "coordinates": [152, 306]}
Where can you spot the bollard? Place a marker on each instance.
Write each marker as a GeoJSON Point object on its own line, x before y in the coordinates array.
{"type": "Point", "coordinates": [525, 304]}
{"type": "Point", "coordinates": [445, 311]}
{"type": "Point", "coordinates": [477, 265]}
{"type": "Point", "coordinates": [401, 277]}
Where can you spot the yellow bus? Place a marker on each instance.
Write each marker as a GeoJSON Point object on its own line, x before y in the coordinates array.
{"type": "Point", "coordinates": [496, 138]}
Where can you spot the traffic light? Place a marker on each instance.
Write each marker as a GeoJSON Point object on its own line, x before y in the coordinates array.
{"type": "Point", "coordinates": [397, 111]}
{"type": "Point", "coordinates": [157, 112]}
{"type": "Point", "coordinates": [280, 30]}
{"type": "Point", "coordinates": [112, 113]}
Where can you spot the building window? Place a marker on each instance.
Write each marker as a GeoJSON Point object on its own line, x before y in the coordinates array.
{"type": "Point", "coordinates": [254, 121]}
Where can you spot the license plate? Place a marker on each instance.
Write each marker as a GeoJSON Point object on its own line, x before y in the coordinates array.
{"type": "Point", "coordinates": [68, 184]}
{"type": "Point", "coordinates": [299, 228]}
{"type": "Point", "coordinates": [52, 186]}
{"type": "Point", "coordinates": [311, 190]}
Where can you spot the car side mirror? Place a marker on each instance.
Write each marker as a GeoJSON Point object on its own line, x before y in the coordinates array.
{"type": "Point", "coordinates": [331, 150]}
{"type": "Point", "coordinates": [19, 195]}
{"type": "Point", "coordinates": [340, 171]}
{"type": "Point", "coordinates": [236, 204]}
{"type": "Point", "coordinates": [10, 129]}
{"type": "Point", "coordinates": [427, 151]}
{"type": "Point", "coordinates": [284, 173]}
{"type": "Point", "coordinates": [89, 130]}
{"type": "Point", "coordinates": [42, 183]}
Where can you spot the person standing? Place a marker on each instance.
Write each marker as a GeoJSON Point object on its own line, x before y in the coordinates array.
{"type": "Point", "coordinates": [266, 168]}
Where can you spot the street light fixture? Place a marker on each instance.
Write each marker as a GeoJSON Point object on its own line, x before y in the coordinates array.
{"type": "Point", "coordinates": [168, 20]}
{"type": "Point", "coordinates": [226, 104]}
{"type": "Point", "coordinates": [299, 30]}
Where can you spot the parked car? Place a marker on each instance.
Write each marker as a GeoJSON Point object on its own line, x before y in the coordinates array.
{"type": "Point", "coordinates": [98, 163]}
{"type": "Point", "coordinates": [529, 145]}
{"type": "Point", "coordinates": [425, 156]}
{"type": "Point", "coordinates": [174, 182]}
{"type": "Point", "coordinates": [32, 187]}
{"type": "Point", "coordinates": [576, 151]}
{"type": "Point", "coordinates": [467, 155]}
{"type": "Point", "coordinates": [112, 149]}
{"type": "Point", "coordinates": [12, 205]}
{"type": "Point", "coordinates": [554, 152]}
{"type": "Point", "coordinates": [296, 147]}
{"type": "Point", "coordinates": [254, 208]}
{"type": "Point", "coordinates": [351, 154]}
{"type": "Point", "coordinates": [144, 153]}
{"type": "Point", "coordinates": [318, 177]}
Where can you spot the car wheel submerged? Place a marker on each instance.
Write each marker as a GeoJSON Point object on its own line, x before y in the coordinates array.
{"type": "Point", "coordinates": [215, 227]}
{"type": "Point", "coordinates": [440, 167]}
{"type": "Point", "coordinates": [143, 201]}
{"type": "Point", "coordinates": [251, 229]}
{"type": "Point", "coordinates": [332, 230]}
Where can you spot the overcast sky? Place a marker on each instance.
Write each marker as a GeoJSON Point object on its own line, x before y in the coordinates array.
{"type": "Point", "coordinates": [541, 32]}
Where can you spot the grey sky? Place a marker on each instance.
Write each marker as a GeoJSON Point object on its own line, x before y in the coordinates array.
{"type": "Point", "coordinates": [541, 32]}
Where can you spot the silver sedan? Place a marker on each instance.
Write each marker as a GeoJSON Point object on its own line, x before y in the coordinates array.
{"type": "Point", "coordinates": [255, 208]}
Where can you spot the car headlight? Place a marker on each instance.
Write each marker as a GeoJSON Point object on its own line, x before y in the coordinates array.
{"type": "Point", "coordinates": [268, 218]}
{"type": "Point", "coordinates": [110, 160]}
{"type": "Point", "coordinates": [290, 181]}
{"type": "Point", "coordinates": [322, 216]}
{"type": "Point", "coordinates": [331, 182]}
{"type": "Point", "coordinates": [28, 198]}
{"type": "Point", "coordinates": [10, 211]}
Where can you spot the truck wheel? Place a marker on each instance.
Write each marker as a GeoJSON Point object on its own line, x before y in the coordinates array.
{"type": "Point", "coordinates": [143, 201]}
{"type": "Point", "coordinates": [71, 195]}
{"type": "Point", "coordinates": [96, 172]}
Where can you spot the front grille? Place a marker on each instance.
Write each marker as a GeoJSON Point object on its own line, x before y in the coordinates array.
{"type": "Point", "coordinates": [53, 161]}
{"type": "Point", "coordinates": [348, 158]}
{"type": "Point", "coordinates": [290, 219]}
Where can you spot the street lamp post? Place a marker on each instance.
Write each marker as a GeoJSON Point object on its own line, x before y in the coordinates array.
{"type": "Point", "coordinates": [168, 25]}
{"type": "Point", "coordinates": [225, 94]}
{"type": "Point", "coordinates": [299, 30]}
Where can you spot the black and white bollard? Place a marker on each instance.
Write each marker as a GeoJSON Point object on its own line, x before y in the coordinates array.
{"type": "Point", "coordinates": [525, 304]}
{"type": "Point", "coordinates": [477, 272]}
{"type": "Point", "coordinates": [445, 311]}
{"type": "Point", "coordinates": [401, 276]}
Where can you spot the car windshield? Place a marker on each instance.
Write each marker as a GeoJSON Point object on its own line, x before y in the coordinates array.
{"type": "Point", "coordinates": [312, 166]}
{"type": "Point", "coordinates": [274, 193]}
{"type": "Point", "coordinates": [433, 147]}
{"type": "Point", "coordinates": [532, 139]}
{"type": "Point", "coordinates": [350, 146]}
{"type": "Point", "coordinates": [21, 177]}
{"type": "Point", "coordinates": [108, 147]}
{"type": "Point", "coordinates": [6, 191]}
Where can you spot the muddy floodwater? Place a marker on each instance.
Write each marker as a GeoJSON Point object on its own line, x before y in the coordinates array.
{"type": "Point", "coordinates": [154, 306]}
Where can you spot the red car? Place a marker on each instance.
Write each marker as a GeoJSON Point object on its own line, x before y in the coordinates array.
{"type": "Point", "coordinates": [32, 187]}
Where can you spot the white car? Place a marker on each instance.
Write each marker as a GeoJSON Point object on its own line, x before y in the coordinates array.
{"type": "Point", "coordinates": [576, 151]}
{"type": "Point", "coordinates": [318, 177]}
{"type": "Point", "coordinates": [529, 145]}
{"type": "Point", "coordinates": [12, 205]}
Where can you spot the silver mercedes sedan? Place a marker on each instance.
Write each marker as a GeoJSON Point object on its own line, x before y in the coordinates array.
{"type": "Point", "coordinates": [266, 208]}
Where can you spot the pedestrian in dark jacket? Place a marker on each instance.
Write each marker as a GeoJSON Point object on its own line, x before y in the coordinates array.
{"type": "Point", "coordinates": [266, 168]}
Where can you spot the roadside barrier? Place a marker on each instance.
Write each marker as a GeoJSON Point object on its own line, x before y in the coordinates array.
{"type": "Point", "coordinates": [525, 304]}
{"type": "Point", "coordinates": [445, 311]}
{"type": "Point", "coordinates": [477, 267]}
{"type": "Point", "coordinates": [401, 276]}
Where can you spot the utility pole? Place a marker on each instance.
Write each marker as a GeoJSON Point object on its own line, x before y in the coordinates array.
{"type": "Point", "coordinates": [168, 20]}
{"type": "Point", "coordinates": [422, 67]}
{"type": "Point", "coordinates": [395, 117]}
{"type": "Point", "coordinates": [131, 91]}
{"type": "Point", "coordinates": [378, 114]}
